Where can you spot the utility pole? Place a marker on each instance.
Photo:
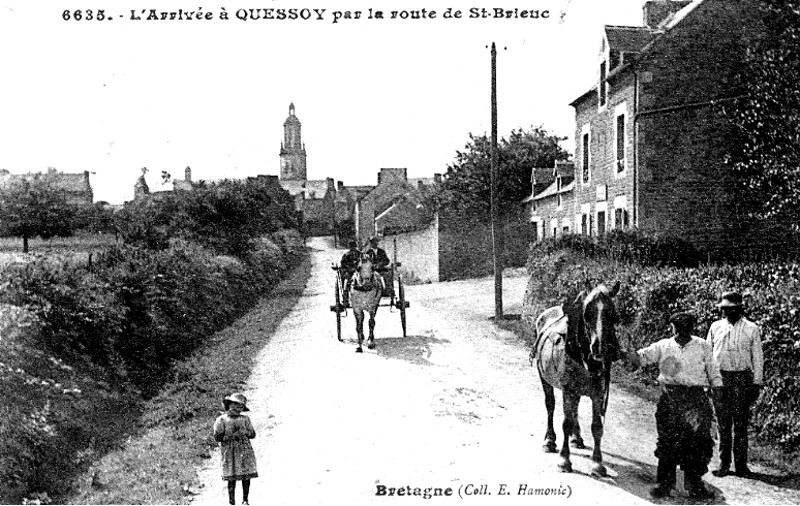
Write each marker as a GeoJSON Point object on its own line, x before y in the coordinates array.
{"type": "Point", "coordinates": [497, 228]}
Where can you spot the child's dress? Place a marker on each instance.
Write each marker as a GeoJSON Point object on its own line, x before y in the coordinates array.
{"type": "Point", "coordinates": [234, 433]}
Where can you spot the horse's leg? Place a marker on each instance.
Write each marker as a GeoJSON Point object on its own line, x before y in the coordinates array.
{"type": "Point", "coordinates": [576, 440]}
{"type": "Point", "coordinates": [570, 415]}
{"type": "Point", "coordinates": [359, 314]}
{"type": "Point", "coordinates": [371, 344]}
{"type": "Point", "coordinates": [597, 432]}
{"type": "Point", "coordinates": [550, 404]}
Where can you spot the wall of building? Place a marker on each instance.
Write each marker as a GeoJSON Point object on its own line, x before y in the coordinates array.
{"type": "Point", "coordinates": [685, 188]}
{"type": "Point", "coordinates": [318, 215]}
{"type": "Point", "coordinates": [417, 251]}
{"type": "Point", "coordinates": [547, 210]}
{"type": "Point", "coordinates": [606, 187]}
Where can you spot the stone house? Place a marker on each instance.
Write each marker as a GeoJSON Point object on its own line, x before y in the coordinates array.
{"type": "Point", "coordinates": [395, 202]}
{"type": "Point", "coordinates": [651, 136]}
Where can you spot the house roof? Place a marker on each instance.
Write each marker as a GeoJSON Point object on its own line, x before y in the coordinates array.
{"type": "Point", "coordinates": [313, 189]}
{"type": "Point", "coordinates": [553, 190]}
{"type": "Point", "coordinates": [564, 169]}
{"type": "Point", "coordinates": [426, 181]}
{"type": "Point", "coordinates": [404, 214]}
{"type": "Point", "coordinates": [632, 36]}
{"type": "Point", "coordinates": [628, 38]}
{"type": "Point", "coordinates": [181, 184]}
{"type": "Point", "coordinates": [73, 183]}
{"type": "Point", "coordinates": [353, 192]}
{"type": "Point", "coordinates": [542, 175]}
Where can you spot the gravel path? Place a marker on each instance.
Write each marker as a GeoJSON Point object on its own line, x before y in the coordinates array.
{"type": "Point", "coordinates": [453, 405]}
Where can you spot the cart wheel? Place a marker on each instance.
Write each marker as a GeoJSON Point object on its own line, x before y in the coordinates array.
{"type": "Point", "coordinates": [401, 301]}
{"type": "Point", "coordinates": [338, 311]}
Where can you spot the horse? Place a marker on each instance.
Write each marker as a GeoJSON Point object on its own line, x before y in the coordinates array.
{"type": "Point", "coordinates": [366, 288]}
{"type": "Point", "coordinates": [575, 346]}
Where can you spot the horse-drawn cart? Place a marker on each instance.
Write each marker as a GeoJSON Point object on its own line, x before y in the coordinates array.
{"type": "Point", "coordinates": [393, 295]}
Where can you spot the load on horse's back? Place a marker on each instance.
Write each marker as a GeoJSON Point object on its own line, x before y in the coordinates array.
{"type": "Point", "coordinates": [366, 287]}
{"type": "Point", "coordinates": [575, 346]}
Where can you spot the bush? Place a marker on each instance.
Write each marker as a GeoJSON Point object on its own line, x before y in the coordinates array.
{"type": "Point", "coordinates": [84, 345]}
{"type": "Point", "coordinates": [628, 246]}
{"type": "Point", "coordinates": [227, 216]}
{"type": "Point", "coordinates": [649, 295]}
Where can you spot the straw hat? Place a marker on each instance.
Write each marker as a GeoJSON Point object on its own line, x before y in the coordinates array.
{"type": "Point", "coordinates": [237, 398]}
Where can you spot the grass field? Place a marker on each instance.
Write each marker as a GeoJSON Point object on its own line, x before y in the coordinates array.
{"type": "Point", "coordinates": [76, 248]}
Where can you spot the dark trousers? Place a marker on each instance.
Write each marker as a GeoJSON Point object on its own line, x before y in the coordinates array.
{"type": "Point", "coordinates": [683, 422]}
{"type": "Point", "coordinates": [733, 417]}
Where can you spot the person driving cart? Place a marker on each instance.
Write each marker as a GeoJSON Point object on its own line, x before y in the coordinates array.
{"type": "Point", "coordinates": [377, 255]}
{"type": "Point", "coordinates": [348, 266]}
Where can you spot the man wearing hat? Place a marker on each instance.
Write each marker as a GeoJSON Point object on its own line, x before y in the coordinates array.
{"type": "Point", "coordinates": [684, 413]}
{"type": "Point", "coordinates": [377, 255]}
{"type": "Point", "coordinates": [348, 266]}
{"type": "Point", "coordinates": [736, 345]}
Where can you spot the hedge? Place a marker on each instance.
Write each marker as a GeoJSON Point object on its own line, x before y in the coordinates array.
{"type": "Point", "coordinates": [81, 347]}
{"type": "Point", "coordinates": [650, 294]}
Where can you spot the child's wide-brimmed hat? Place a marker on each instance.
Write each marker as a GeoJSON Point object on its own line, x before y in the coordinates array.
{"type": "Point", "coordinates": [238, 399]}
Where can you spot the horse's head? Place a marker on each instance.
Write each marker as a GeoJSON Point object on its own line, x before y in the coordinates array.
{"type": "Point", "coordinates": [591, 319]}
{"type": "Point", "coordinates": [365, 267]}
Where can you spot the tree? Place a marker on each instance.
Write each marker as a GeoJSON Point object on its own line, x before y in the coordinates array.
{"type": "Point", "coordinates": [34, 205]}
{"type": "Point", "coordinates": [226, 216]}
{"type": "Point", "coordinates": [466, 186]}
{"type": "Point", "coordinates": [767, 160]}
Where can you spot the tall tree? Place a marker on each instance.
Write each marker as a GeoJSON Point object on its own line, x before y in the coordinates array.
{"type": "Point", "coordinates": [767, 160]}
{"type": "Point", "coordinates": [466, 187]}
{"type": "Point", "coordinates": [35, 206]}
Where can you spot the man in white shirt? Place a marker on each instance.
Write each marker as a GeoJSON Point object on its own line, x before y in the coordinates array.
{"type": "Point", "coordinates": [684, 414]}
{"type": "Point", "coordinates": [736, 345]}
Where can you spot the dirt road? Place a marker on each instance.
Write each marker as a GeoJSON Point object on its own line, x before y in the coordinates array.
{"type": "Point", "coordinates": [455, 405]}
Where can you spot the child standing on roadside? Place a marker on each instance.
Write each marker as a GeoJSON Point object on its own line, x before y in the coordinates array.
{"type": "Point", "coordinates": [234, 431]}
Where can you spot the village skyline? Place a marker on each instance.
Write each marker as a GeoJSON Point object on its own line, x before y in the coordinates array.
{"type": "Point", "coordinates": [113, 97]}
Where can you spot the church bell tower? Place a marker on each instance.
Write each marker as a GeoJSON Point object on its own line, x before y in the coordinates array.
{"type": "Point", "coordinates": [293, 152]}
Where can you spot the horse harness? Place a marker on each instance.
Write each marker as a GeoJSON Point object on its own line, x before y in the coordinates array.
{"type": "Point", "coordinates": [551, 347]}
{"type": "Point", "coordinates": [366, 285]}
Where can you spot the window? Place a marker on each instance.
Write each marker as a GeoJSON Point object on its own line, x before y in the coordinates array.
{"type": "Point", "coordinates": [585, 224]}
{"type": "Point", "coordinates": [614, 59]}
{"type": "Point", "coordinates": [602, 84]}
{"type": "Point", "coordinates": [620, 218]}
{"type": "Point", "coordinates": [620, 143]}
{"type": "Point", "coordinates": [585, 156]}
{"type": "Point", "coordinates": [601, 223]}
{"type": "Point", "coordinates": [558, 192]}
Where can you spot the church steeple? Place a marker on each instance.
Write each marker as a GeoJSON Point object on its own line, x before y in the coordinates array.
{"type": "Point", "coordinates": [293, 152]}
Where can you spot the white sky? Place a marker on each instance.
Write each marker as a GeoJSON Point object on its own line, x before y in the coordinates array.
{"type": "Point", "coordinates": [114, 96]}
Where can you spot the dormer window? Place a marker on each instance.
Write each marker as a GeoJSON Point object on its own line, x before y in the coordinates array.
{"type": "Point", "coordinates": [558, 192]}
{"type": "Point", "coordinates": [614, 59]}
{"type": "Point", "coordinates": [602, 84]}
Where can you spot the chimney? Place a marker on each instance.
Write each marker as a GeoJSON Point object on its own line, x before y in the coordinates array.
{"type": "Point", "coordinates": [657, 11]}
{"type": "Point", "coordinates": [437, 178]}
{"type": "Point", "coordinates": [187, 174]}
{"type": "Point", "coordinates": [339, 186]}
{"type": "Point", "coordinates": [392, 174]}
{"type": "Point", "coordinates": [331, 184]}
